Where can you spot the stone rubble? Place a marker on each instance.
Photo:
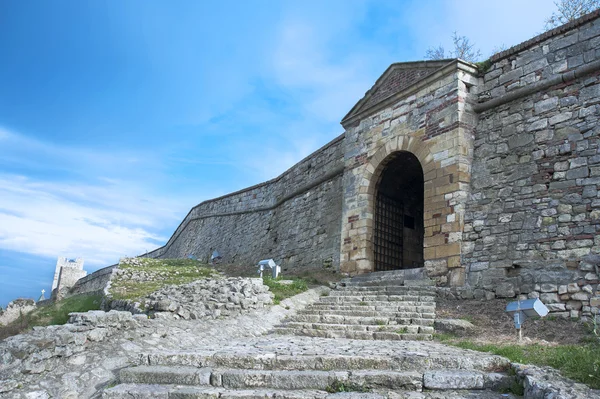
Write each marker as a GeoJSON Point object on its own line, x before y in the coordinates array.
{"type": "Point", "coordinates": [15, 309]}
{"type": "Point", "coordinates": [206, 298]}
{"type": "Point", "coordinates": [115, 355]}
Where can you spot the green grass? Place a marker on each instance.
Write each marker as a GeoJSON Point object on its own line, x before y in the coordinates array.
{"type": "Point", "coordinates": [52, 314]}
{"type": "Point", "coordinates": [282, 291]}
{"type": "Point", "coordinates": [578, 362]}
{"type": "Point", "coordinates": [162, 272]}
{"type": "Point", "coordinates": [58, 312]}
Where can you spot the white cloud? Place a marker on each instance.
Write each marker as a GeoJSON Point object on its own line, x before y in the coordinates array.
{"type": "Point", "coordinates": [66, 201]}
{"type": "Point", "coordinates": [100, 223]}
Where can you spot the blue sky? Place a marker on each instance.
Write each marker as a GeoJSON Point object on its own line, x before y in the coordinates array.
{"type": "Point", "coordinates": [117, 117]}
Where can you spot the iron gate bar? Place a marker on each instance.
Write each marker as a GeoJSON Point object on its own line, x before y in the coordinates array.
{"type": "Point", "coordinates": [389, 233]}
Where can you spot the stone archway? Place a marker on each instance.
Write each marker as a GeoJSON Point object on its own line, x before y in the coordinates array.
{"type": "Point", "coordinates": [442, 209]}
{"type": "Point", "coordinates": [398, 228]}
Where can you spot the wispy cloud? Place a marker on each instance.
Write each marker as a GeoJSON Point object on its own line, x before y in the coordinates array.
{"type": "Point", "coordinates": [92, 212]}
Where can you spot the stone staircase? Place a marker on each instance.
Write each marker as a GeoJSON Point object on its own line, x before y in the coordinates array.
{"type": "Point", "coordinates": [305, 367]}
{"type": "Point", "coordinates": [377, 322]}
{"type": "Point", "coordinates": [380, 305]}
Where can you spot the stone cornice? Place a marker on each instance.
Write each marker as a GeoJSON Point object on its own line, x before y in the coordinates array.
{"type": "Point", "coordinates": [448, 68]}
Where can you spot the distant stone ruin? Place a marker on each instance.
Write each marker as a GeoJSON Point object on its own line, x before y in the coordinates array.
{"type": "Point", "coordinates": [66, 274]}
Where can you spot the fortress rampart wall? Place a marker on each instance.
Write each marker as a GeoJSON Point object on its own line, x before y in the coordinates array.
{"type": "Point", "coordinates": [294, 219]}
{"type": "Point", "coordinates": [532, 221]}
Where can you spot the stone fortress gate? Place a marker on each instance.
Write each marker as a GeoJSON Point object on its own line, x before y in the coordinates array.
{"type": "Point", "coordinates": [484, 175]}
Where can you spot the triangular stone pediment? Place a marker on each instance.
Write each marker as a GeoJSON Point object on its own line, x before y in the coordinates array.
{"type": "Point", "coordinates": [398, 77]}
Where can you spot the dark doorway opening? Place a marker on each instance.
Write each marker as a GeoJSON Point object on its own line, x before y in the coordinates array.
{"type": "Point", "coordinates": [399, 230]}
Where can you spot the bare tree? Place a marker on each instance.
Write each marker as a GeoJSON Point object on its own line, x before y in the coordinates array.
{"type": "Point", "coordinates": [435, 53]}
{"type": "Point", "coordinates": [568, 10]}
{"type": "Point", "coordinates": [463, 49]}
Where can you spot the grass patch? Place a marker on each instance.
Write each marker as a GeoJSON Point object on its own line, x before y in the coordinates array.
{"type": "Point", "coordinates": [52, 314]}
{"type": "Point", "coordinates": [444, 337]}
{"type": "Point", "coordinates": [281, 291]}
{"type": "Point", "coordinates": [578, 362]}
{"type": "Point", "coordinates": [154, 274]}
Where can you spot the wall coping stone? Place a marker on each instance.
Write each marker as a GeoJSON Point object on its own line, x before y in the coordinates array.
{"type": "Point", "coordinates": [546, 35]}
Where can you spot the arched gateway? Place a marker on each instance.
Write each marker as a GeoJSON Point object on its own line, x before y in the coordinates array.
{"type": "Point", "coordinates": [408, 154]}
{"type": "Point", "coordinates": [398, 220]}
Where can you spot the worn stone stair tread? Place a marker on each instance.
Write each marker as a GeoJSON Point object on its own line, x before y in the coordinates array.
{"type": "Point", "coordinates": [412, 328]}
{"type": "Point", "coordinates": [424, 313]}
{"type": "Point", "coordinates": [392, 336]}
{"type": "Point", "coordinates": [400, 321]}
{"type": "Point", "coordinates": [316, 379]}
{"type": "Point", "coordinates": [180, 375]}
{"type": "Point", "coordinates": [380, 304]}
{"type": "Point", "coordinates": [275, 379]}
{"type": "Point", "coordinates": [451, 394]}
{"type": "Point", "coordinates": [423, 282]}
{"type": "Point", "coordinates": [356, 291]}
{"type": "Point", "coordinates": [142, 391]}
{"type": "Point", "coordinates": [153, 391]}
{"type": "Point", "coordinates": [379, 298]}
{"type": "Point", "coordinates": [403, 356]}
{"type": "Point", "coordinates": [386, 288]}
{"type": "Point", "coordinates": [362, 320]}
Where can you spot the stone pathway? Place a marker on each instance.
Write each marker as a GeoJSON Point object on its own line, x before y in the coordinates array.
{"type": "Point", "coordinates": [240, 358]}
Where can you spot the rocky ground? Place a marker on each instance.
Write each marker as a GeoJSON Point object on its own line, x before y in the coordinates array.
{"type": "Point", "coordinates": [81, 359]}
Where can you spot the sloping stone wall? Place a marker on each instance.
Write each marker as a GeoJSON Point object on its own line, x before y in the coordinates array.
{"type": "Point", "coordinates": [294, 219]}
{"type": "Point", "coordinates": [533, 217]}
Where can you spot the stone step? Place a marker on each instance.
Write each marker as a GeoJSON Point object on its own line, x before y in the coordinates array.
{"type": "Point", "coordinates": [407, 357]}
{"type": "Point", "coordinates": [389, 286]}
{"type": "Point", "coordinates": [142, 391]}
{"type": "Point", "coordinates": [274, 379]}
{"type": "Point", "coordinates": [426, 319]}
{"type": "Point", "coordinates": [396, 290]}
{"type": "Point", "coordinates": [312, 379]}
{"type": "Point", "coordinates": [372, 283]}
{"type": "Point", "coordinates": [350, 334]}
{"type": "Point", "coordinates": [371, 305]}
{"type": "Point", "coordinates": [409, 329]}
{"type": "Point", "coordinates": [407, 311]}
{"type": "Point", "coordinates": [377, 298]}
{"type": "Point", "coordinates": [423, 282]}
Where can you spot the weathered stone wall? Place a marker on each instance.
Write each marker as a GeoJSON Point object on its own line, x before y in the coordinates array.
{"type": "Point", "coordinates": [533, 218]}
{"type": "Point", "coordinates": [294, 219]}
{"type": "Point", "coordinates": [94, 282]}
